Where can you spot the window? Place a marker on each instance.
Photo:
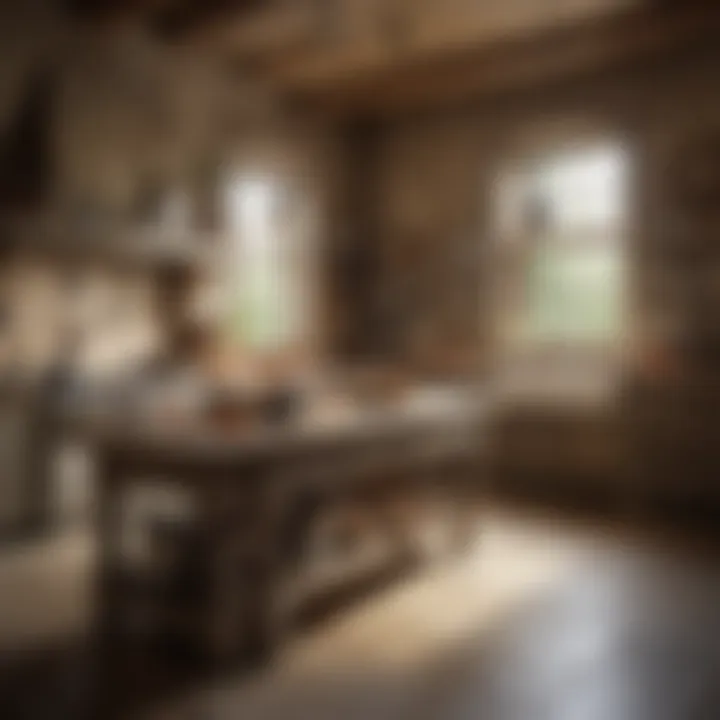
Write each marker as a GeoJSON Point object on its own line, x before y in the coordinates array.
{"type": "Point", "coordinates": [563, 220]}
{"type": "Point", "coordinates": [264, 303]}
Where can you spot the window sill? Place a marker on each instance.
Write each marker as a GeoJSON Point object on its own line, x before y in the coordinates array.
{"type": "Point", "coordinates": [569, 379]}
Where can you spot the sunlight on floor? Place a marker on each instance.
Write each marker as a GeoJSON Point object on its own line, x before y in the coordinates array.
{"type": "Point", "coordinates": [390, 640]}
{"type": "Point", "coordinates": [409, 623]}
{"type": "Point", "coordinates": [387, 642]}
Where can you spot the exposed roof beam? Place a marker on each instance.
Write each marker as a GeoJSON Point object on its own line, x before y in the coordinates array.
{"type": "Point", "coordinates": [271, 33]}
{"type": "Point", "coordinates": [506, 65]}
{"type": "Point", "coordinates": [114, 9]}
{"type": "Point", "coordinates": [188, 17]}
{"type": "Point", "coordinates": [173, 18]}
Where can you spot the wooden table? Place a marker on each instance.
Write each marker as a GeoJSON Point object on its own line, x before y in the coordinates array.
{"type": "Point", "coordinates": [247, 488]}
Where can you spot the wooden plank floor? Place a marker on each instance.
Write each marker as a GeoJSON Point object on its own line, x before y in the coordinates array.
{"type": "Point", "coordinates": [544, 620]}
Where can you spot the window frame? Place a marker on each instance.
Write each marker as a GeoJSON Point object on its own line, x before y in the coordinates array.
{"type": "Point", "coordinates": [511, 249]}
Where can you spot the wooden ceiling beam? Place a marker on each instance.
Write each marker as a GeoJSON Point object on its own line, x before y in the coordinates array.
{"type": "Point", "coordinates": [186, 18]}
{"type": "Point", "coordinates": [507, 65]}
{"type": "Point", "coordinates": [101, 10]}
{"type": "Point", "coordinates": [171, 18]}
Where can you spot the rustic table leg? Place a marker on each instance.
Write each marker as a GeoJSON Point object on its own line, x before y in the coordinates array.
{"type": "Point", "coordinates": [225, 533]}
{"type": "Point", "coordinates": [107, 621]}
{"type": "Point", "coordinates": [109, 537]}
{"type": "Point", "coordinates": [245, 569]}
{"type": "Point", "coordinates": [268, 612]}
{"type": "Point", "coordinates": [223, 627]}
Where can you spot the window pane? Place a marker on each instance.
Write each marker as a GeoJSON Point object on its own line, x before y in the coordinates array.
{"type": "Point", "coordinates": [585, 188]}
{"type": "Point", "coordinates": [260, 270]}
{"type": "Point", "coordinates": [573, 255]}
{"type": "Point", "coordinates": [574, 296]}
